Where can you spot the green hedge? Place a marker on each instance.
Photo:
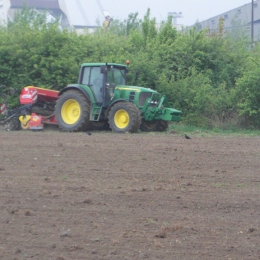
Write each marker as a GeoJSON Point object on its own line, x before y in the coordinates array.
{"type": "Point", "coordinates": [213, 79]}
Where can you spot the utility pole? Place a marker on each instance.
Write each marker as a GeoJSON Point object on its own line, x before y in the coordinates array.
{"type": "Point", "coordinates": [252, 24]}
{"type": "Point", "coordinates": [174, 16]}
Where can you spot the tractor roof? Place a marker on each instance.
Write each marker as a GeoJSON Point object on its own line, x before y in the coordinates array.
{"type": "Point", "coordinates": [102, 64]}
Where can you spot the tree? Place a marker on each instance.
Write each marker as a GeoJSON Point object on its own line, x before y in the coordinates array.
{"type": "Point", "coordinates": [248, 91]}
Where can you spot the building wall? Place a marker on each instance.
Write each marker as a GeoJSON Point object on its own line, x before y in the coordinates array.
{"type": "Point", "coordinates": [238, 17]}
{"type": "Point", "coordinates": [4, 7]}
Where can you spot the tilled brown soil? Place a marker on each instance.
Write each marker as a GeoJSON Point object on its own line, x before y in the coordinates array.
{"type": "Point", "coordinates": [128, 196]}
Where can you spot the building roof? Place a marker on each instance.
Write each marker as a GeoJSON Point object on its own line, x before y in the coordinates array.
{"type": "Point", "coordinates": [40, 4]}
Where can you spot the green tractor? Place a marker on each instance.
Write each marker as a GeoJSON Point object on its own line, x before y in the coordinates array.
{"type": "Point", "coordinates": [101, 99]}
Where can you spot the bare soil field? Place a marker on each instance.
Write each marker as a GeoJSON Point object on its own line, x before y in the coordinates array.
{"type": "Point", "coordinates": [71, 196]}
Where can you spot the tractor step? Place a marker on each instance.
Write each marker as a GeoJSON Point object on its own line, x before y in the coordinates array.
{"type": "Point", "coordinates": [95, 113]}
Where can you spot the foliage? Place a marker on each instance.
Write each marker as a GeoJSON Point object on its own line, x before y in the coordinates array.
{"type": "Point", "coordinates": [36, 53]}
{"type": "Point", "coordinates": [248, 91]}
{"type": "Point", "coordinates": [212, 78]}
{"type": "Point", "coordinates": [123, 28]}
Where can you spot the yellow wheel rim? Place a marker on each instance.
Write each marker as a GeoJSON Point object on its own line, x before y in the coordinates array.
{"type": "Point", "coordinates": [25, 121]}
{"type": "Point", "coordinates": [121, 119]}
{"type": "Point", "coordinates": [70, 111]}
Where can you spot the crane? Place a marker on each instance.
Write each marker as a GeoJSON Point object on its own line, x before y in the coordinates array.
{"type": "Point", "coordinates": [108, 19]}
{"type": "Point", "coordinates": [83, 14]}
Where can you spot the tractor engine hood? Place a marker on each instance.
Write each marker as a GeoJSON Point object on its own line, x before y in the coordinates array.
{"type": "Point", "coordinates": [153, 105]}
{"type": "Point", "coordinates": [135, 88]}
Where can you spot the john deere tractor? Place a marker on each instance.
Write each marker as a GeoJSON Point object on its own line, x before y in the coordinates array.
{"type": "Point", "coordinates": [101, 99]}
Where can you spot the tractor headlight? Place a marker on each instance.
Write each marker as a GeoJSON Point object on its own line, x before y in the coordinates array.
{"type": "Point", "coordinates": [153, 102]}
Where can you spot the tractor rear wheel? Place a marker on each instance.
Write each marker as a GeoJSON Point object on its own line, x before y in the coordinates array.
{"type": "Point", "coordinates": [154, 126]}
{"type": "Point", "coordinates": [124, 117]}
{"type": "Point", "coordinates": [72, 111]}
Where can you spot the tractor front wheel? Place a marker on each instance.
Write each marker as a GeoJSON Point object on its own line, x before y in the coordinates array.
{"type": "Point", "coordinates": [154, 126]}
{"type": "Point", "coordinates": [72, 111]}
{"type": "Point", "coordinates": [124, 117]}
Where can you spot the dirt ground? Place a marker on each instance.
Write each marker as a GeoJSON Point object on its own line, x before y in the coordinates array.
{"type": "Point", "coordinates": [70, 196]}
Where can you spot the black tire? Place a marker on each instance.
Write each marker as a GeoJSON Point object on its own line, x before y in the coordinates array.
{"type": "Point", "coordinates": [124, 117]}
{"type": "Point", "coordinates": [72, 111]}
{"type": "Point", "coordinates": [154, 126]}
{"type": "Point", "coordinates": [13, 125]}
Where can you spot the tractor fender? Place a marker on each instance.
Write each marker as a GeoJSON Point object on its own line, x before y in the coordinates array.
{"type": "Point", "coordinates": [82, 88]}
{"type": "Point", "coordinates": [114, 102]}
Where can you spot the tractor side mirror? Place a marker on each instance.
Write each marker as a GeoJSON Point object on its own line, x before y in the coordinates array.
{"type": "Point", "coordinates": [136, 74]}
{"type": "Point", "coordinates": [103, 69]}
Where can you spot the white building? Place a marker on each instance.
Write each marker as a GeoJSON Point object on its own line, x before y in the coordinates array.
{"type": "Point", "coordinates": [71, 13]}
{"type": "Point", "coordinates": [243, 14]}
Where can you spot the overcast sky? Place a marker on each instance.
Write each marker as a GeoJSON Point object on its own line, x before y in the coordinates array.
{"type": "Point", "coordinates": [192, 10]}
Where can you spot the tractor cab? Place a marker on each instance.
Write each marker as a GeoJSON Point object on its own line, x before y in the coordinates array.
{"type": "Point", "coordinates": [102, 78]}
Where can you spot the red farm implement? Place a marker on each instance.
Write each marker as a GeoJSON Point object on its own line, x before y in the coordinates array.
{"type": "Point", "coordinates": [42, 111]}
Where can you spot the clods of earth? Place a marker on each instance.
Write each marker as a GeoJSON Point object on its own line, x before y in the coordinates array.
{"type": "Point", "coordinates": [72, 196]}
